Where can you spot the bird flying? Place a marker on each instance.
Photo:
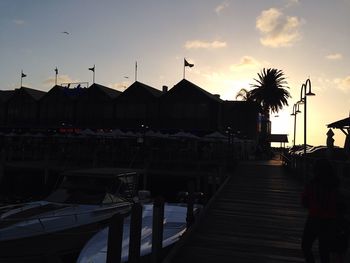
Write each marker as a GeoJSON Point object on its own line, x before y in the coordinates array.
{"type": "Point", "coordinates": [65, 32]}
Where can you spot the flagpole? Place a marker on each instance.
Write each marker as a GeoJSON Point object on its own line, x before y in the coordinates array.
{"type": "Point", "coordinates": [186, 64]}
{"type": "Point", "coordinates": [56, 73]}
{"type": "Point", "coordinates": [21, 78]}
{"type": "Point", "coordinates": [184, 68]}
{"type": "Point", "coordinates": [135, 71]}
{"type": "Point", "coordinates": [93, 76]}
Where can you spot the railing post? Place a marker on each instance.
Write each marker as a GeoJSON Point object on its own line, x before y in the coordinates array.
{"type": "Point", "coordinates": [135, 233]}
{"type": "Point", "coordinates": [115, 239]}
{"type": "Point", "coordinates": [157, 229]}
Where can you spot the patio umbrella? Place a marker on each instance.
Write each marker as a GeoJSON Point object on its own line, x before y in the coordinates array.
{"type": "Point", "coordinates": [216, 136]}
{"type": "Point", "coordinates": [184, 135]}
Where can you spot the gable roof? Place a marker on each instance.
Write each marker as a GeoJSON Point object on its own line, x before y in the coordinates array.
{"type": "Point", "coordinates": [155, 92]}
{"type": "Point", "coordinates": [70, 93]}
{"type": "Point", "coordinates": [5, 95]}
{"type": "Point", "coordinates": [35, 94]}
{"type": "Point", "coordinates": [112, 93]}
{"type": "Point", "coordinates": [189, 85]}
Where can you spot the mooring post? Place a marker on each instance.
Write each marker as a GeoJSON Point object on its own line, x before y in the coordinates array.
{"type": "Point", "coordinates": [46, 165]}
{"type": "Point", "coordinates": [2, 163]}
{"type": "Point", "coordinates": [213, 183]}
{"type": "Point", "coordinates": [135, 233]}
{"type": "Point", "coordinates": [190, 203]}
{"type": "Point", "coordinates": [157, 229]}
{"type": "Point", "coordinates": [115, 239]}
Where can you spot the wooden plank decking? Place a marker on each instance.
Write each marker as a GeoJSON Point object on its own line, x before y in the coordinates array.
{"type": "Point", "coordinates": [256, 217]}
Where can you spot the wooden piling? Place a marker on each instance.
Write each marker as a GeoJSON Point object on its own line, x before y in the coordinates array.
{"type": "Point", "coordinates": [2, 164]}
{"type": "Point", "coordinates": [115, 239]}
{"type": "Point", "coordinates": [190, 203]}
{"type": "Point", "coordinates": [157, 229]}
{"type": "Point", "coordinates": [135, 233]}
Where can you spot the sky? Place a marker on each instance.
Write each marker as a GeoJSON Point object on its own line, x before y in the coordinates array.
{"type": "Point", "coordinates": [228, 41]}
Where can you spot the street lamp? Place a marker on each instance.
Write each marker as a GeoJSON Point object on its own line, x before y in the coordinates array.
{"type": "Point", "coordinates": [294, 113]}
{"type": "Point", "coordinates": [303, 100]}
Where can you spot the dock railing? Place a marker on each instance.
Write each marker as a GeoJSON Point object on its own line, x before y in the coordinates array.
{"type": "Point", "coordinates": [301, 167]}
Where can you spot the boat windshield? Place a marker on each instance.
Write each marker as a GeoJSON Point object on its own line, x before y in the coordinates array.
{"type": "Point", "coordinates": [89, 190]}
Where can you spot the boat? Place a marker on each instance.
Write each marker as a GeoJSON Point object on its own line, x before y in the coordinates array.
{"type": "Point", "coordinates": [61, 224]}
{"type": "Point", "coordinates": [174, 225]}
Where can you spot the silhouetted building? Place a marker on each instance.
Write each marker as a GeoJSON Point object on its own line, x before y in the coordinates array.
{"type": "Point", "coordinates": [242, 118]}
{"type": "Point", "coordinates": [23, 107]}
{"type": "Point", "coordinates": [58, 107]}
{"type": "Point", "coordinates": [5, 95]}
{"type": "Point", "coordinates": [95, 107]}
{"type": "Point", "coordinates": [189, 107]}
{"type": "Point", "coordinates": [184, 107]}
{"type": "Point", "coordinates": [136, 106]}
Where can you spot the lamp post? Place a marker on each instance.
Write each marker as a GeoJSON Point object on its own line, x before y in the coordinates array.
{"type": "Point", "coordinates": [303, 99]}
{"type": "Point", "coordinates": [294, 113]}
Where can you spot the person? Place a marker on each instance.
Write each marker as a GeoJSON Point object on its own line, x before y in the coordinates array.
{"type": "Point", "coordinates": [320, 198]}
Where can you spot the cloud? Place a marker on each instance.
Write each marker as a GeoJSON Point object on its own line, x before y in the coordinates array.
{"type": "Point", "coordinates": [277, 29]}
{"type": "Point", "coordinates": [335, 56]}
{"type": "Point", "coordinates": [248, 66]}
{"type": "Point", "coordinates": [197, 44]}
{"type": "Point", "coordinates": [292, 2]}
{"type": "Point", "coordinates": [221, 7]}
{"type": "Point", "coordinates": [343, 83]}
{"type": "Point", "coordinates": [60, 79]}
{"type": "Point", "coordinates": [18, 22]}
{"type": "Point", "coordinates": [246, 62]}
{"type": "Point", "coordinates": [121, 86]}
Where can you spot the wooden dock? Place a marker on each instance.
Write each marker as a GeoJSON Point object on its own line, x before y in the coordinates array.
{"type": "Point", "coordinates": [256, 216]}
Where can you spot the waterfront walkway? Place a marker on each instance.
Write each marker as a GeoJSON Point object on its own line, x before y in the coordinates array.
{"type": "Point", "coordinates": [255, 217]}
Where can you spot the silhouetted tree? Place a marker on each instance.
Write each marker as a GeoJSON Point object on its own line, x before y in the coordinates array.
{"type": "Point", "coordinates": [243, 94]}
{"type": "Point", "coordinates": [270, 90]}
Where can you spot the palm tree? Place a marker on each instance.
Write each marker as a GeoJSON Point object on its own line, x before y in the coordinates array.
{"type": "Point", "coordinates": [243, 94]}
{"type": "Point", "coordinates": [270, 90]}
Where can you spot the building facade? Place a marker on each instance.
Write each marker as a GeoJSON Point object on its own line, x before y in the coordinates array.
{"type": "Point", "coordinates": [185, 106]}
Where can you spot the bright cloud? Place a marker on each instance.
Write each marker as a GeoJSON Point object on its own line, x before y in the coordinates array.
{"type": "Point", "coordinates": [60, 79]}
{"type": "Point", "coordinates": [246, 62]}
{"type": "Point", "coordinates": [277, 29]}
{"type": "Point", "coordinates": [247, 67]}
{"type": "Point", "coordinates": [18, 21]}
{"type": "Point", "coordinates": [335, 56]}
{"type": "Point", "coordinates": [343, 84]}
{"type": "Point", "coordinates": [221, 7]}
{"type": "Point", "coordinates": [121, 86]}
{"type": "Point", "coordinates": [198, 44]}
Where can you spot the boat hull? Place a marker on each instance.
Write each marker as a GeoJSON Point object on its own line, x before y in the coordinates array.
{"type": "Point", "coordinates": [55, 244]}
{"type": "Point", "coordinates": [59, 233]}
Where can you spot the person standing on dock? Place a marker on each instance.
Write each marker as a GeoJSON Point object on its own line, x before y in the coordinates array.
{"type": "Point", "coordinates": [320, 198]}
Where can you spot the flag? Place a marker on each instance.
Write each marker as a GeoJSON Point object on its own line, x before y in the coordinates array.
{"type": "Point", "coordinates": [188, 64]}
{"type": "Point", "coordinates": [92, 69]}
{"type": "Point", "coordinates": [56, 70]}
{"type": "Point", "coordinates": [23, 75]}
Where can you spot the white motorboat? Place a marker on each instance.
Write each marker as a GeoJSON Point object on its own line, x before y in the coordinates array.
{"type": "Point", "coordinates": [66, 219]}
{"type": "Point", "coordinates": [95, 250]}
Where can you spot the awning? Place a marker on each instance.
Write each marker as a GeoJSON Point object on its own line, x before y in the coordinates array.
{"type": "Point", "coordinates": [341, 124]}
{"type": "Point", "coordinates": [277, 138]}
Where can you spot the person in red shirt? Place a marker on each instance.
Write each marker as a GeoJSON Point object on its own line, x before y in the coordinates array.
{"type": "Point", "coordinates": [320, 198]}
